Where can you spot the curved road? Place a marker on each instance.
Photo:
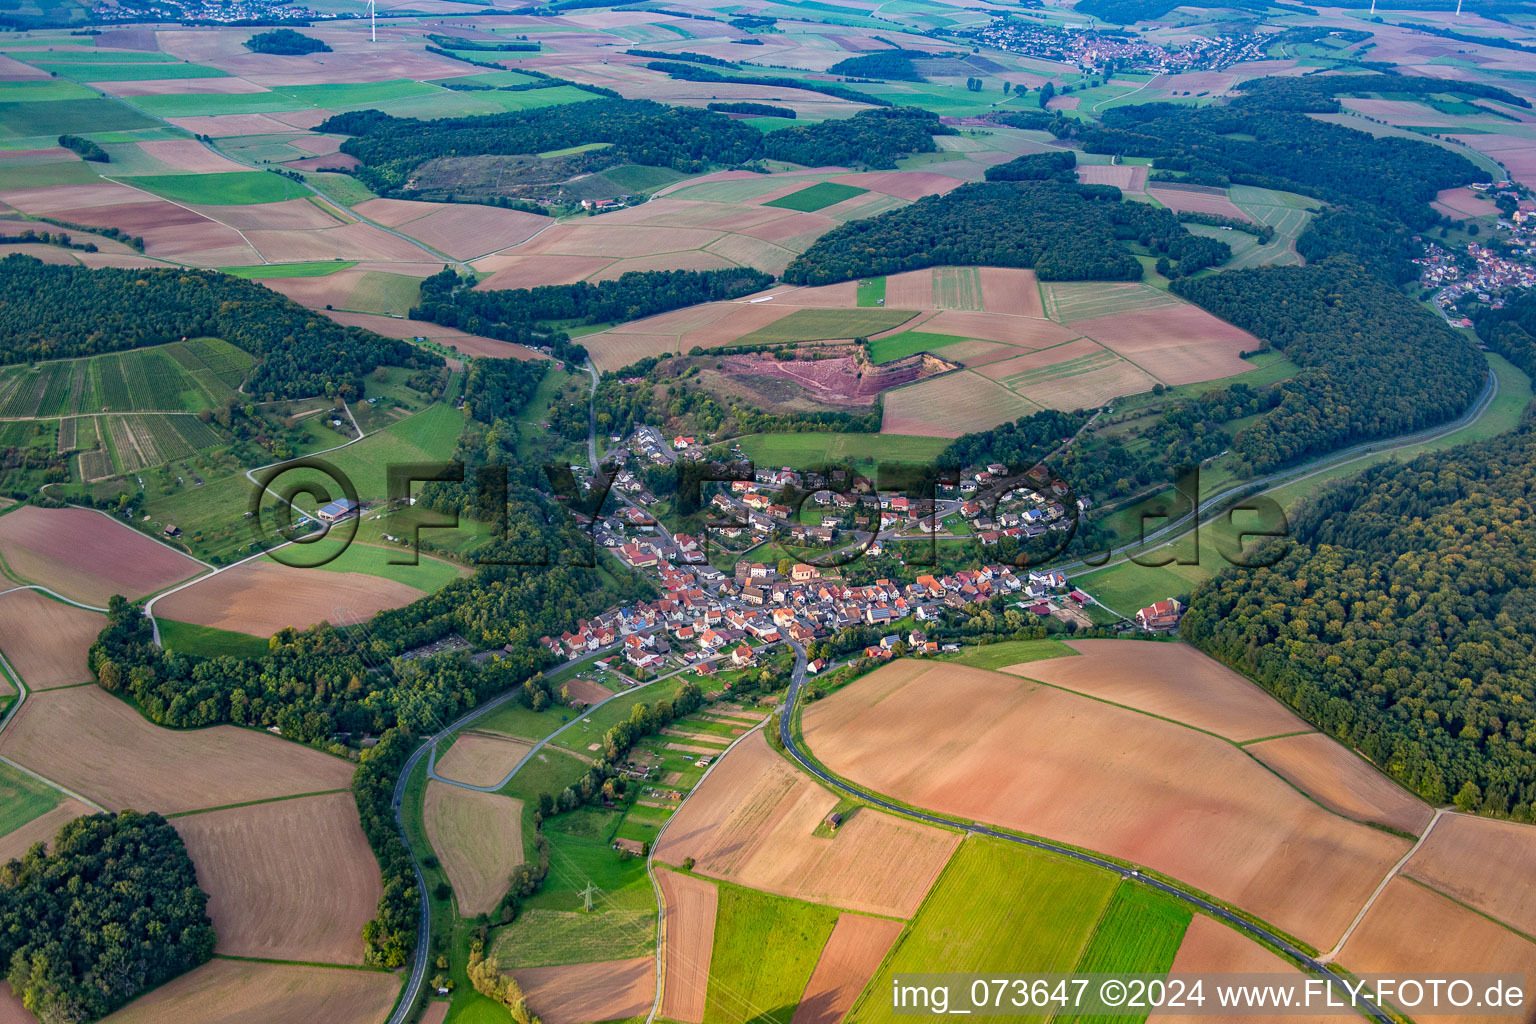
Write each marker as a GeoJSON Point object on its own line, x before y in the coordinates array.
{"type": "Point", "coordinates": [1306, 961]}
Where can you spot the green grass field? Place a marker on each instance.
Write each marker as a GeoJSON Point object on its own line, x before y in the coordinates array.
{"type": "Point", "coordinates": [272, 270]}
{"type": "Point", "coordinates": [554, 927]}
{"type": "Point", "coordinates": [860, 450]}
{"type": "Point", "coordinates": [130, 72]}
{"type": "Point", "coordinates": [1011, 652]}
{"type": "Point", "coordinates": [998, 906]}
{"type": "Point", "coordinates": [23, 798]}
{"type": "Point", "coordinates": [45, 175]}
{"type": "Point", "coordinates": [817, 197]}
{"type": "Point", "coordinates": [341, 188]}
{"type": "Point", "coordinates": [208, 642]}
{"type": "Point", "coordinates": [235, 188]}
{"type": "Point", "coordinates": [826, 324]}
{"type": "Point", "coordinates": [591, 727]}
{"type": "Point", "coordinates": [765, 949]}
{"type": "Point", "coordinates": [871, 292]}
{"type": "Point", "coordinates": [72, 116]}
{"type": "Point", "coordinates": [42, 92]}
{"type": "Point", "coordinates": [908, 343]}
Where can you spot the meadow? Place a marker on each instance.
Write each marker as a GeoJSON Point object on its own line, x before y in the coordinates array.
{"type": "Point", "coordinates": [825, 325]}
{"type": "Point", "coordinates": [764, 952]}
{"type": "Point", "coordinates": [234, 188]}
{"type": "Point", "coordinates": [862, 451]}
{"type": "Point", "coordinates": [817, 197]}
{"type": "Point", "coordinates": [998, 906]}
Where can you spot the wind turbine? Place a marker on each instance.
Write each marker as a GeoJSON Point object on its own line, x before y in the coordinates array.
{"type": "Point", "coordinates": [373, 23]}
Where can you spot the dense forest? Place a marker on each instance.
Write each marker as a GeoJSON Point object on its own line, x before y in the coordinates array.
{"type": "Point", "coordinates": [871, 137]}
{"type": "Point", "coordinates": [111, 910]}
{"type": "Point", "coordinates": [640, 131]}
{"type": "Point", "coordinates": [285, 41]}
{"type": "Point", "coordinates": [500, 388]}
{"type": "Point", "coordinates": [685, 139]}
{"type": "Point", "coordinates": [1396, 622]}
{"type": "Point", "coordinates": [55, 312]}
{"type": "Point", "coordinates": [522, 314]}
{"type": "Point", "coordinates": [1374, 362]}
{"type": "Point", "coordinates": [1055, 166]}
{"type": "Point", "coordinates": [1020, 444]}
{"type": "Point", "coordinates": [1266, 139]}
{"type": "Point", "coordinates": [1064, 232]}
{"type": "Point", "coordinates": [891, 65]}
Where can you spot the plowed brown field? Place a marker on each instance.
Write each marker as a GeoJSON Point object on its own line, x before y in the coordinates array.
{"type": "Point", "coordinates": [1171, 680]}
{"type": "Point", "coordinates": [480, 759]}
{"type": "Point", "coordinates": [46, 641]}
{"type": "Point", "coordinates": [992, 747]}
{"type": "Point", "coordinates": [263, 597]}
{"type": "Point", "coordinates": [751, 822]}
{"type": "Point", "coordinates": [95, 744]}
{"type": "Point", "coordinates": [688, 921]}
{"type": "Point", "coordinates": [853, 951]}
{"type": "Point", "coordinates": [1343, 781]}
{"type": "Point", "coordinates": [88, 556]}
{"type": "Point", "coordinates": [1176, 344]}
{"type": "Point", "coordinates": [243, 992]}
{"type": "Point", "coordinates": [580, 993]}
{"type": "Point", "coordinates": [1484, 863]}
{"type": "Point", "coordinates": [287, 880]}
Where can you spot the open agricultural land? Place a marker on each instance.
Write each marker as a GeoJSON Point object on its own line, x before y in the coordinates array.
{"type": "Point", "coordinates": [510, 236]}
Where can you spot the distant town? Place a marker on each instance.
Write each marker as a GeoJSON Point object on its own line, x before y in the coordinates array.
{"type": "Point", "coordinates": [1105, 52]}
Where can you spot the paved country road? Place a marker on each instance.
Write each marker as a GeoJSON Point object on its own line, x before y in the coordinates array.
{"type": "Point", "coordinates": [786, 734]}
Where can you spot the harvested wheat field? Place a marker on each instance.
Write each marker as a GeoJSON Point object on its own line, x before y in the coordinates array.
{"type": "Point", "coordinates": [1169, 680]}
{"type": "Point", "coordinates": [1125, 177]}
{"type": "Point", "coordinates": [903, 184]}
{"type": "Point", "coordinates": [263, 597]}
{"type": "Point", "coordinates": [1021, 331]}
{"type": "Point", "coordinates": [12, 1010]}
{"type": "Point", "coordinates": [750, 822]}
{"type": "Point", "coordinates": [1180, 200]}
{"type": "Point", "coordinates": [912, 289]}
{"type": "Point", "coordinates": [1212, 947]}
{"type": "Point", "coordinates": [951, 405]}
{"type": "Point", "coordinates": [848, 960]}
{"type": "Point", "coordinates": [1010, 290]}
{"type": "Point", "coordinates": [481, 759]}
{"type": "Point", "coordinates": [579, 993]}
{"type": "Point", "coordinates": [512, 270]}
{"type": "Point", "coordinates": [692, 260]}
{"type": "Point", "coordinates": [88, 740]}
{"type": "Point", "coordinates": [1081, 771]}
{"type": "Point", "coordinates": [189, 155]}
{"type": "Point", "coordinates": [617, 240]}
{"type": "Point", "coordinates": [1177, 344]}
{"type": "Point", "coordinates": [88, 556]}
{"type": "Point", "coordinates": [478, 837]}
{"type": "Point", "coordinates": [246, 992]}
{"type": "Point", "coordinates": [40, 829]}
{"type": "Point", "coordinates": [1346, 783]}
{"type": "Point", "coordinates": [688, 923]}
{"type": "Point", "coordinates": [287, 215]}
{"type": "Point", "coordinates": [464, 231]}
{"type": "Point", "coordinates": [46, 641]}
{"type": "Point", "coordinates": [286, 880]}
{"type": "Point", "coordinates": [1483, 863]}
{"type": "Point", "coordinates": [843, 295]}
{"type": "Point", "coordinates": [1414, 930]}
{"type": "Point", "coordinates": [436, 1012]}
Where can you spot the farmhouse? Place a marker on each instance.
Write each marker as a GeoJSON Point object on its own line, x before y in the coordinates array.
{"type": "Point", "coordinates": [1160, 617]}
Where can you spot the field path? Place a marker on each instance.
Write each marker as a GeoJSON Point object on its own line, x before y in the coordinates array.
{"type": "Point", "coordinates": [1328, 957]}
